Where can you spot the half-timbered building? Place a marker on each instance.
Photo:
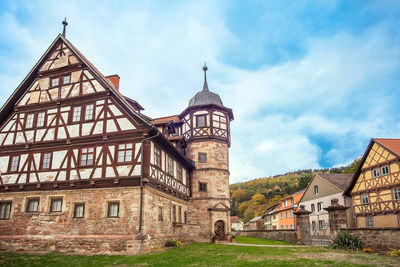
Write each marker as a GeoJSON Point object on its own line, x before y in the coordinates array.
{"type": "Point", "coordinates": [83, 169]}
{"type": "Point", "coordinates": [375, 186]}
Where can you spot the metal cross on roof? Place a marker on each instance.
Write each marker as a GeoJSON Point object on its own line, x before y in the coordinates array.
{"type": "Point", "coordinates": [205, 86]}
{"type": "Point", "coordinates": [65, 23]}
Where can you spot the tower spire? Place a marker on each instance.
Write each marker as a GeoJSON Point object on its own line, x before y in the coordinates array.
{"type": "Point", "coordinates": [205, 86]}
{"type": "Point", "coordinates": [65, 24]}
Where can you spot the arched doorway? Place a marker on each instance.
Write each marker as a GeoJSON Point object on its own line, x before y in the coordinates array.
{"type": "Point", "coordinates": [219, 229]}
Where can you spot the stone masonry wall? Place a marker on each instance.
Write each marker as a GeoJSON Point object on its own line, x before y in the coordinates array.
{"type": "Point", "coordinates": [282, 235]}
{"type": "Point", "coordinates": [380, 239]}
{"type": "Point", "coordinates": [95, 233]}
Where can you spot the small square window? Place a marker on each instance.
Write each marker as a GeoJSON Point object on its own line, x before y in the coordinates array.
{"type": "Point", "coordinates": [203, 187]}
{"type": "Point", "coordinates": [201, 121]}
{"type": "Point", "coordinates": [160, 214]}
{"type": "Point", "coordinates": [365, 199]}
{"type": "Point", "coordinates": [79, 210]}
{"type": "Point", "coordinates": [87, 156]}
{"type": "Point", "coordinates": [66, 79]}
{"type": "Point", "coordinates": [202, 157]}
{"type": "Point", "coordinates": [5, 210]}
{"type": "Point", "coordinates": [316, 190]}
{"type": "Point", "coordinates": [125, 152]}
{"type": "Point", "coordinates": [55, 205]}
{"type": "Point", "coordinates": [113, 209]}
{"type": "Point", "coordinates": [54, 82]}
{"type": "Point", "coordinates": [369, 221]}
{"type": "Point", "coordinates": [33, 205]}
{"type": "Point", "coordinates": [385, 170]}
{"type": "Point", "coordinates": [376, 172]}
{"type": "Point", "coordinates": [14, 163]}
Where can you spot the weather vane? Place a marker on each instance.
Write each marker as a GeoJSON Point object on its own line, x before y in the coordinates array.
{"type": "Point", "coordinates": [65, 23]}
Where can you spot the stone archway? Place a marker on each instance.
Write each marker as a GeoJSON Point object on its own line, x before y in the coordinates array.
{"type": "Point", "coordinates": [219, 229]}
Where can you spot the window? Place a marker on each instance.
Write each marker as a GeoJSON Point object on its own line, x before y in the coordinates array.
{"type": "Point", "coordinates": [396, 194]}
{"type": "Point", "coordinates": [125, 152]}
{"type": "Point", "coordinates": [79, 210]}
{"type": "Point", "coordinates": [41, 119]}
{"type": "Point", "coordinates": [369, 221]}
{"type": "Point", "coordinates": [287, 226]}
{"type": "Point", "coordinates": [201, 121]}
{"type": "Point", "coordinates": [315, 189]}
{"type": "Point", "coordinates": [202, 157]}
{"type": "Point", "coordinates": [66, 79]}
{"type": "Point", "coordinates": [29, 121]}
{"type": "Point", "coordinates": [385, 170]}
{"type": "Point", "coordinates": [160, 214]}
{"type": "Point", "coordinates": [376, 172]}
{"type": "Point", "coordinates": [202, 187]}
{"type": "Point", "coordinates": [291, 213]}
{"type": "Point", "coordinates": [54, 82]}
{"type": "Point", "coordinates": [274, 217]}
{"type": "Point", "coordinates": [157, 157]}
{"type": "Point", "coordinates": [173, 213]}
{"type": "Point", "coordinates": [286, 214]}
{"type": "Point", "coordinates": [292, 226]}
{"type": "Point", "coordinates": [87, 155]}
{"type": "Point", "coordinates": [319, 206]}
{"type": "Point", "coordinates": [285, 203]}
{"type": "Point", "coordinates": [291, 201]}
{"type": "Point", "coordinates": [281, 215]}
{"type": "Point", "coordinates": [364, 199]}
{"type": "Point", "coordinates": [5, 210]}
{"type": "Point", "coordinates": [33, 205]}
{"type": "Point", "coordinates": [170, 166]}
{"type": "Point", "coordinates": [89, 112]}
{"type": "Point", "coordinates": [113, 209]}
{"type": "Point", "coordinates": [179, 172]}
{"type": "Point", "coordinates": [180, 214]}
{"type": "Point", "coordinates": [55, 205]}
{"type": "Point", "coordinates": [14, 163]}
{"type": "Point", "coordinates": [313, 225]}
{"type": "Point", "coordinates": [185, 217]}
{"type": "Point", "coordinates": [281, 227]}
{"type": "Point", "coordinates": [46, 161]}
{"type": "Point", "coordinates": [312, 207]}
{"type": "Point", "coordinates": [76, 116]}
{"type": "Point", "coordinates": [321, 224]}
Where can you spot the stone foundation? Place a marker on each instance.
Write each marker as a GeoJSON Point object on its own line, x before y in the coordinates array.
{"type": "Point", "coordinates": [379, 239]}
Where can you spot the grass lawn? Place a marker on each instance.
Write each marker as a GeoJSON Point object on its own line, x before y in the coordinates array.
{"type": "Point", "coordinates": [209, 255]}
{"type": "Point", "coordinates": [260, 241]}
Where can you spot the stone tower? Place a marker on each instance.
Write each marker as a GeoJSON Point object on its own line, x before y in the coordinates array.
{"type": "Point", "coordinates": [206, 131]}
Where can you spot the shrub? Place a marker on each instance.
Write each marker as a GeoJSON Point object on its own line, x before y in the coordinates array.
{"type": "Point", "coordinates": [394, 252]}
{"type": "Point", "coordinates": [344, 240]}
{"type": "Point", "coordinates": [173, 243]}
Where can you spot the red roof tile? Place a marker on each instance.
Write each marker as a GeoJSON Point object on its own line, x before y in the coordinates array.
{"type": "Point", "coordinates": [392, 144]}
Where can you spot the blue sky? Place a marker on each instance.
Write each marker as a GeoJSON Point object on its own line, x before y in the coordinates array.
{"type": "Point", "coordinates": [309, 82]}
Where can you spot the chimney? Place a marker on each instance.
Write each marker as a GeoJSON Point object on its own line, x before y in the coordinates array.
{"type": "Point", "coordinates": [114, 79]}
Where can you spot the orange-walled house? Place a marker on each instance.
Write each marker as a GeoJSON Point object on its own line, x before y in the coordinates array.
{"type": "Point", "coordinates": [289, 204]}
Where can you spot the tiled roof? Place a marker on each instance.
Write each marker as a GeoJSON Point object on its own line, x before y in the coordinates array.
{"type": "Point", "coordinates": [392, 144]}
{"type": "Point", "coordinates": [174, 118]}
{"type": "Point", "coordinates": [255, 219]}
{"type": "Point", "coordinates": [341, 180]}
{"type": "Point", "coordinates": [235, 219]}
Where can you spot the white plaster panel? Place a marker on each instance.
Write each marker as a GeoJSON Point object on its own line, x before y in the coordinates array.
{"type": "Point", "coordinates": [85, 173]}
{"type": "Point", "coordinates": [123, 170]}
{"type": "Point", "coordinates": [136, 170]}
{"type": "Point", "coordinates": [52, 111]}
{"type": "Point", "coordinates": [12, 179]}
{"type": "Point", "coordinates": [4, 163]}
{"type": "Point", "coordinates": [75, 76]}
{"type": "Point", "coordinates": [88, 74]}
{"type": "Point", "coordinates": [86, 127]}
{"type": "Point", "coordinates": [74, 175]}
{"type": "Point", "coordinates": [112, 151]}
{"type": "Point", "coordinates": [9, 139]}
{"type": "Point", "coordinates": [20, 138]}
{"type": "Point", "coordinates": [24, 99]}
{"type": "Point", "coordinates": [125, 124]}
{"type": "Point", "coordinates": [64, 109]}
{"type": "Point", "coordinates": [137, 150]}
{"type": "Point", "coordinates": [115, 110]}
{"type": "Point", "coordinates": [101, 116]}
{"type": "Point", "coordinates": [39, 134]}
{"type": "Point", "coordinates": [44, 97]}
{"type": "Point", "coordinates": [36, 158]}
{"type": "Point", "coordinates": [44, 83]}
{"type": "Point", "coordinates": [65, 90]}
{"type": "Point", "coordinates": [62, 176]}
{"type": "Point", "coordinates": [22, 179]}
{"type": "Point", "coordinates": [100, 102]}
{"type": "Point", "coordinates": [7, 126]}
{"type": "Point", "coordinates": [73, 130]}
{"type": "Point", "coordinates": [64, 115]}
{"type": "Point", "coordinates": [75, 91]}
{"type": "Point", "coordinates": [61, 133]}
{"type": "Point", "coordinates": [75, 151]}
{"type": "Point", "coordinates": [2, 136]}
{"type": "Point", "coordinates": [111, 126]}
{"type": "Point", "coordinates": [47, 176]}
{"type": "Point", "coordinates": [49, 135]}
{"type": "Point", "coordinates": [110, 172]}
{"type": "Point", "coordinates": [22, 160]}
{"type": "Point", "coordinates": [97, 173]}
{"type": "Point", "coordinates": [87, 88]}
{"type": "Point", "coordinates": [98, 86]}
{"type": "Point", "coordinates": [33, 86]}
{"type": "Point", "coordinates": [58, 157]}
{"type": "Point", "coordinates": [98, 128]}
{"type": "Point", "coordinates": [98, 110]}
{"type": "Point", "coordinates": [200, 112]}
{"type": "Point", "coordinates": [53, 93]}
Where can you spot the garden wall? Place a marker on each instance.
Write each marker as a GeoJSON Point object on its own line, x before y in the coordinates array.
{"type": "Point", "coordinates": [380, 239]}
{"type": "Point", "coordinates": [283, 235]}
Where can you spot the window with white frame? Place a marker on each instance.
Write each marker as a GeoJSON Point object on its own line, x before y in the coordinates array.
{"type": "Point", "coordinates": [364, 199]}
{"type": "Point", "coordinates": [14, 163]}
{"type": "Point", "coordinates": [113, 209]}
{"type": "Point", "coordinates": [29, 121]}
{"type": "Point", "coordinates": [55, 204]}
{"type": "Point", "coordinates": [369, 221]}
{"type": "Point", "coordinates": [54, 82]}
{"type": "Point", "coordinates": [76, 115]}
{"type": "Point", "coordinates": [376, 172]}
{"type": "Point", "coordinates": [46, 161]}
{"type": "Point", "coordinates": [320, 205]}
{"type": "Point", "coordinates": [5, 210]}
{"type": "Point", "coordinates": [201, 121]}
{"type": "Point", "coordinates": [291, 214]}
{"type": "Point", "coordinates": [89, 112]}
{"type": "Point", "coordinates": [321, 224]}
{"type": "Point", "coordinates": [312, 207]}
{"type": "Point", "coordinates": [396, 193]}
{"type": "Point", "coordinates": [33, 205]}
{"type": "Point", "coordinates": [87, 156]}
{"type": "Point", "coordinates": [79, 210]}
{"type": "Point", "coordinates": [385, 170]}
{"type": "Point", "coordinates": [41, 119]}
{"type": "Point", "coordinates": [316, 190]}
{"type": "Point", "coordinates": [66, 79]}
{"type": "Point", "coordinates": [125, 152]}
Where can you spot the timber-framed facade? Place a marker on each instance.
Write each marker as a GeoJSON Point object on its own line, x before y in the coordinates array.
{"type": "Point", "coordinates": [83, 169]}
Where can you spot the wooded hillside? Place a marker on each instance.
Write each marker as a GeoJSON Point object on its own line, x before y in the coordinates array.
{"type": "Point", "coordinates": [252, 198]}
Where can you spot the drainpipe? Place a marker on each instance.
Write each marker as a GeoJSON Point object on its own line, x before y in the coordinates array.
{"type": "Point", "coordinates": [141, 191]}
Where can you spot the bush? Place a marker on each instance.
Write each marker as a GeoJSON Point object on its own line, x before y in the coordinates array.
{"type": "Point", "coordinates": [344, 240]}
{"type": "Point", "coordinates": [394, 252]}
{"type": "Point", "coordinates": [173, 243]}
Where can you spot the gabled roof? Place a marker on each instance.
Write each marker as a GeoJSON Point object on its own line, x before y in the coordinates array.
{"type": "Point", "coordinates": [340, 180]}
{"type": "Point", "coordinates": [235, 219]}
{"type": "Point", "coordinates": [255, 219]}
{"type": "Point", "coordinates": [391, 144]}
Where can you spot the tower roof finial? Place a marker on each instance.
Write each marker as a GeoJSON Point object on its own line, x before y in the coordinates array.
{"type": "Point", "coordinates": [65, 24]}
{"type": "Point", "coordinates": [205, 86]}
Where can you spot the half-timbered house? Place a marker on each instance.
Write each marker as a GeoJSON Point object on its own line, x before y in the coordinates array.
{"type": "Point", "coordinates": [83, 169]}
{"type": "Point", "coordinates": [375, 186]}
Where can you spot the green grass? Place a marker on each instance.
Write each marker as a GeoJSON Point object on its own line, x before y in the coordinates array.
{"type": "Point", "coordinates": [208, 255]}
{"type": "Point", "coordinates": [260, 241]}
